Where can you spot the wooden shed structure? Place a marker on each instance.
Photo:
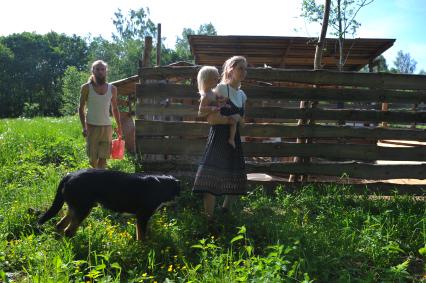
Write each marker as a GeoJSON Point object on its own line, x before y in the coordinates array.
{"type": "Point", "coordinates": [286, 52]}
{"type": "Point", "coordinates": [170, 138]}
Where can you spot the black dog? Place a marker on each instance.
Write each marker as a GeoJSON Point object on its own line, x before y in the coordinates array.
{"type": "Point", "coordinates": [121, 192]}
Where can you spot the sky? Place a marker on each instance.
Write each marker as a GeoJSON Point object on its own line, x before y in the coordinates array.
{"type": "Point", "coordinates": [403, 20]}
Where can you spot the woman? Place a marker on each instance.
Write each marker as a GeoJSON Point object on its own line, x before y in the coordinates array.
{"type": "Point", "coordinates": [222, 167]}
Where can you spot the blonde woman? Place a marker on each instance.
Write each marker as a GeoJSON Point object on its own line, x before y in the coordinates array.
{"type": "Point", "coordinates": [222, 167]}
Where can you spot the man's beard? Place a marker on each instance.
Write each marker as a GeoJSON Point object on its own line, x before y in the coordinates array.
{"type": "Point", "coordinates": [99, 80]}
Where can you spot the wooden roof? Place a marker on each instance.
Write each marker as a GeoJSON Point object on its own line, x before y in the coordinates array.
{"type": "Point", "coordinates": [285, 52]}
{"type": "Point", "coordinates": [126, 86]}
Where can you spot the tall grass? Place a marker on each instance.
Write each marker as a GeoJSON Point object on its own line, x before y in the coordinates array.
{"type": "Point", "coordinates": [308, 236]}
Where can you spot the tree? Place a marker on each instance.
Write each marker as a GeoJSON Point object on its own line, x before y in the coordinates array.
{"type": "Point", "coordinates": [317, 65]}
{"type": "Point", "coordinates": [72, 81]}
{"type": "Point", "coordinates": [6, 79]}
{"type": "Point", "coordinates": [182, 48]}
{"type": "Point", "coordinates": [422, 72]}
{"type": "Point", "coordinates": [33, 71]}
{"type": "Point", "coordinates": [124, 51]}
{"type": "Point", "coordinates": [342, 19]}
{"type": "Point", "coordinates": [404, 64]}
{"type": "Point", "coordinates": [381, 64]}
{"type": "Point", "coordinates": [182, 45]}
{"type": "Point", "coordinates": [135, 26]}
{"type": "Point", "coordinates": [321, 41]}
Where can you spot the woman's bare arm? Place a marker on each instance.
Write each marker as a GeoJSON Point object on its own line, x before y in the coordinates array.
{"type": "Point", "coordinates": [217, 119]}
{"type": "Point", "coordinates": [242, 121]}
{"type": "Point", "coordinates": [212, 112]}
{"type": "Point", "coordinates": [204, 109]}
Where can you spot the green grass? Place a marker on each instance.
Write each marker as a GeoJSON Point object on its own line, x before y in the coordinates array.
{"type": "Point", "coordinates": [332, 236]}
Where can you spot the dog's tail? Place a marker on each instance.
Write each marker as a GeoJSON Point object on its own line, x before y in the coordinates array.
{"type": "Point", "coordinates": [57, 204]}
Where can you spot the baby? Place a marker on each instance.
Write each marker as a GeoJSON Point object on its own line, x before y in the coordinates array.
{"type": "Point", "coordinates": [207, 79]}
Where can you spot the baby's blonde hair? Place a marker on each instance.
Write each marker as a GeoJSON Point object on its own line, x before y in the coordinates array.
{"type": "Point", "coordinates": [204, 74]}
{"type": "Point", "coordinates": [229, 65]}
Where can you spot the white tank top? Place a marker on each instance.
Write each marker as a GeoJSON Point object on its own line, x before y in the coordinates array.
{"type": "Point", "coordinates": [98, 107]}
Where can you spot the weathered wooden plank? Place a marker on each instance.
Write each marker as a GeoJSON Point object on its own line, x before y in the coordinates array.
{"type": "Point", "coordinates": [172, 109]}
{"type": "Point", "coordinates": [285, 93]}
{"type": "Point", "coordinates": [318, 77]}
{"type": "Point", "coordinates": [292, 113]}
{"type": "Point", "coordinates": [155, 128]}
{"type": "Point", "coordinates": [350, 170]}
{"type": "Point", "coordinates": [379, 187]}
{"type": "Point", "coordinates": [196, 146]}
{"type": "Point", "coordinates": [376, 188]}
{"type": "Point", "coordinates": [336, 114]}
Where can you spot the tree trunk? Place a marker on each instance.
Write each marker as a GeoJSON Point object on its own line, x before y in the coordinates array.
{"type": "Point", "coordinates": [317, 66]}
{"type": "Point", "coordinates": [321, 41]}
{"type": "Point", "coordinates": [339, 17]}
{"type": "Point", "coordinates": [340, 105]}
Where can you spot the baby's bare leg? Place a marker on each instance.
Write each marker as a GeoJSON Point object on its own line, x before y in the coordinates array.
{"type": "Point", "coordinates": [233, 121]}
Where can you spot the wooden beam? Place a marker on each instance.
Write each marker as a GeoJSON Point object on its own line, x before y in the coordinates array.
{"type": "Point", "coordinates": [156, 128]}
{"type": "Point", "coordinates": [376, 189]}
{"type": "Point", "coordinates": [291, 113]}
{"type": "Point", "coordinates": [146, 60]}
{"type": "Point", "coordinates": [349, 170]}
{"type": "Point", "coordinates": [289, 93]}
{"type": "Point", "coordinates": [344, 170]}
{"type": "Point", "coordinates": [158, 44]}
{"type": "Point", "coordinates": [319, 77]}
{"type": "Point", "coordinates": [176, 146]}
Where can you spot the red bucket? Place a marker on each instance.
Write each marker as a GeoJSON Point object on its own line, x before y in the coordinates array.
{"type": "Point", "coordinates": [117, 148]}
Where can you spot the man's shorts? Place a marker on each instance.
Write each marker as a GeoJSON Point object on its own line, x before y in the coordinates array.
{"type": "Point", "coordinates": [98, 142]}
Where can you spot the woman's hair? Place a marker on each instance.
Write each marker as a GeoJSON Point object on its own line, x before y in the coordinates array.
{"type": "Point", "coordinates": [204, 74]}
{"type": "Point", "coordinates": [94, 64]}
{"type": "Point", "coordinates": [229, 65]}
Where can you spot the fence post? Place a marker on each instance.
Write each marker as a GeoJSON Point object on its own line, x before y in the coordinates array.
{"type": "Point", "coordinates": [158, 45]}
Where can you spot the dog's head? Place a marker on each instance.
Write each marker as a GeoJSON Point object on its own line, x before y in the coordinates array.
{"type": "Point", "coordinates": [170, 187]}
{"type": "Point", "coordinates": [175, 186]}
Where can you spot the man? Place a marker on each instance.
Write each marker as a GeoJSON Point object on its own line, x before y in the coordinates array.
{"type": "Point", "coordinates": [99, 96]}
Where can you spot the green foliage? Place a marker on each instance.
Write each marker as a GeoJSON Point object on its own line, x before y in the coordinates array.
{"type": "Point", "coordinates": [31, 71]}
{"type": "Point", "coordinates": [344, 14]}
{"type": "Point", "coordinates": [404, 64]}
{"type": "Point", "coordinates": [135, 26]}
{"type": "Point", "coordinates": [182, 48]}
{"type": "Point", "coordinates": [31, 110]}
{"type": "Point", "coordinates": [382, 66]}
{"type": "Point", "coordinates": [73, 79]}
{"type": "Point", "coordinates": [39, 74]}
{"type": "Point", "coordinates": [342, 19]}
{"type": "Point", "coordinates": [318, 234]}
{"type": "Point", "coordinates": [123, 53]}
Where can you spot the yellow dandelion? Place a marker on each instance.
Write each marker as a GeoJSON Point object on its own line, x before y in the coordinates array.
{"type": "Point", "coordinates": [170, 269]}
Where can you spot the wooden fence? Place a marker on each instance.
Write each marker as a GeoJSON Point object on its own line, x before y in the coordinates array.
{"type": "Point", "coordinates": [167, 126]}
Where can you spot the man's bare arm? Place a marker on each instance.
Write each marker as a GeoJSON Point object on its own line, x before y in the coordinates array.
{"type": "Point", "coordinates": [84, 92]}
{"type": "Point", "coordinates": [115, 111]}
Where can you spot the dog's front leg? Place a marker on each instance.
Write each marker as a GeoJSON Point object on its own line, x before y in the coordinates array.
{"type": "Point", "coordinates": [141, 225]}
